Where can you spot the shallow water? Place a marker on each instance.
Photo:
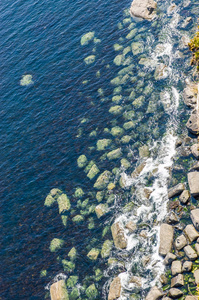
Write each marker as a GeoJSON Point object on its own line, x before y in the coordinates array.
{"type": "Point", "coordinates": [42, 134]}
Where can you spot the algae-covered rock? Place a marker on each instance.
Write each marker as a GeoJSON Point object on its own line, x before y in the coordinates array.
{"type": "Point", "coordinates": [129, 125]}
{"type": "Point", "coordinates": [117, 131]}
{"type": "Point", "coordinates": [56, 244]}
{"type": "Point", "coordinates": [111, 186]}
{"type": "Point", "coordinates": [43, 273]}
{"type": "Point", "coordinates": [82, 161]}
{"type": "Point", "coordinates": [103, 144]}
{"type": "Point", "coordinates": [91, 292]}
{"type": "Point", "coordinates": [79, 193]}
{"type": "Point", "coordinates": [26, 80]}
{"type": "Point", "coordinates": [144, 151]}
{"type": "Point", "coordinates": [96, 41]}
{"type": "Point", "coordinates": [101, 210]}
{"type": "Point", "coordinates": [89, 59]}
{"type": "Point", "coordinates": [72, 281]}
{"type": "Point", "coordinates": [89, 166]}
{"type": "Point", "coordinates": [64, 220]}
{"type": "Point", "coordinates": [93, 254]}
{"type": "Point", "coordinates": [125, 163]}
{"type": "Point", "coordinates": [117, 99]}
{"type": "Point", "coordinates": [86, 38]}
{"type": "Point", "coordinates": [100, 196]}
{"type": "Point", "coordinates": [116, 109]}
{"type": "Point", "coordinates": [118, 60]}
{"type": "Point", "coordinates": [93, 172]}
{"type": "Point", "coordinates": [117, 47]}
{"type": "Point", "coordinates": [114, 154]}
{"type": "Point", "coordinates": [63, 203]}
{"type": "Point", "coordinates": [72, 253]}
{"type": "Point", "coordinates": [58, 290]}
{"type": "Point", "coordinates": [129, 115]}
{"type": "Point", "coordinates": [137, 48]}
{"type": "Point", "coordinates": [103, 180]}
{"type": "Point", "coordinates": [106, 248]}
{"type": "Point", "coordinates": [116, 81]}
{"type": "Point", "coordinates": [74, 295]}
{"type": "Point", "coordinates": [131, 34]}
{"type": "Point", "coordinates": [68, 265]}
{"type": "Point", "coordinates": [98, 275]}
{"type": "Point", "coordinates": [49, 200]}
{"type": "Point", "coordinates": [125, 139]}
{"type": "Point", "coordinates": [137, 103]}
{"type": "Point", "coordinates": [126, 50]}
{"type": "Point", "coordinates": [78, 219]}
{"type": "Point", "coordinates": [91, 223]}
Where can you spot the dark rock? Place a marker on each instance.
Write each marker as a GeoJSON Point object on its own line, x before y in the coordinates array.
{"type": "Point", "coordinates": [166, 239]}
{"type": "Point", "coordinates": [176, 190]}
{"type": "Point", "coordinates": [187, 266]}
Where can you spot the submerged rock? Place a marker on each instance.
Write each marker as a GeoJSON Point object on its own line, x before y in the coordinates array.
{"type": "Point", "coordinates": [63, 203]}
{"type": "Point", "coordinates": [116, 110]}
{"type": "Point", "coordinates": [103, 144]}
{"type": "Point", "coordinates": [114, 154]}
{"type": "Point", "coordinates": [117, 131]}
{"type": "Point", "coordinates": [143, 9]}
{"type": "Point", "coordinates": [106, 248]}
{"type": "Point", "coordinates": [144, 151]}
{"type": "Point", "coordinates": [89, 59]}
{"type": "Point", "coordinates": [82, 161]}
{"type": "Point", "coordinates": [118, 236]}
{"type": "Point", "coordinates": [154, 294]}
{"type": "Point", "coordinates": [91, 292]}
{"type": "Point", "coordinates": [93, 172]}
{"type": "Point", "coordinates": [58, 291]}
{"type": "Point", "coordinates": [93, 254]}
{"type": "Point", "coordinates": [26, 80]}
{"type": "Point", "coordinates": [56, 244]}
{"type": "Point", "coordinates": [115, 289]}
{"type": "Point", "coordinates": [101, 210]}
{"type": "Point", "coordinates": [103, 180]}
{"type": "Point", "coordinates": [86, 38]}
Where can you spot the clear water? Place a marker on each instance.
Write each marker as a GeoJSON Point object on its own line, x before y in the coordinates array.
{"type": "Point", "coordinates": [42, 135]}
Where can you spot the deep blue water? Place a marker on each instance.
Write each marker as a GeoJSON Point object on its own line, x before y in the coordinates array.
{"type": "Point", "coordinates": [39, 126]}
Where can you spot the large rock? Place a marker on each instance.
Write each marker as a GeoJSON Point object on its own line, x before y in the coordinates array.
{"type": "Point", "coordinates": [195, 150]}
{"type": "Point", "coordinates": [115, 289]}
{"type": "Point", "coordinates": [103, 180]}
{"type": "Point", "coordinates": [170, 257]}
{"type": "Point", "coordinates": [195, 217]}
{"type": "Point", "coordinates": [101, 210]}
{"type": "Point", "coordinates": [191, 233]}
{"type": "Point", "coordinates": [176, 190]}
{"type": "Point", "coordinates": [192, 255]}
{"type": "Point", "coordinates": [190, 95]}
{"type": "Point", "coordinates": [196, 276]}
{"type": "Point", "coordinates": [175, 293]}
{"type": "Point", "coordinates": [176, 267]}
{"type": "Point", "coordinates": [58, 291]}
{"type": "Point", "coordinates": [187, 266]}
{"type": "Point", "coordinates": [63, 203]}
{"type": "Point", "coordinates": [154, 294]}
{"type": "Point", "coordinates": [184, 197]}
{"type": "Point", "coordinates": [143, 9]}
{"type": "Point", "coordinates": [118, 236]}
{"type": "Point", "coordinates": [166, 239]}
{"type": "Point", "coordinates": [193, 124]}
{"type": "Point", "coordinates": [177, 281]}
{"type": "Point", "coordinates": [180, 242]}
{"type": "Point", "coordinates": [193, 179]}
{"type": "Point", "coordinates": [191, 298]}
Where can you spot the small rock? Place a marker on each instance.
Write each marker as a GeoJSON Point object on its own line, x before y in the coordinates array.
{"type": "Point", "coordinates": [137, 280]}
{"type": "Point", "coordinates": [192, 255]}
{"type": "Point", "coordinates": [63, 203]}
{"type": "Point", "coordinates": [175, 293]}
{"type": "Point", "coordinates": [184, 197]}
{"type": "Point", "coordinates": [91, 292]}
{"type": "Point", "coordinates": [193, 180]}
{"type": "Point", "coordinates": [154, 294]}
{"type": "Point", "coordinates": [93, 172]}
{"type": "Point", "coordinates": [115, 289]}
{"type": "Point", "coordinates": [82, 161]}
{"type": "Point", "coordinates": [103, 180]}
{"type": "Point", "coordinates": [144, 151]}
{"type": "Point", "coordinates": [138, 170]}
{"type": "Point", "coordinates": [180, 242]}
{"type": "Point", "coordinates": [163, 279]}
{"type": "Point", "coordinates": [86, 38]}
{"type": "Point", "coordinates": [106, 248]}
{"type": "Point", "coordinates": [169, 258]}
{"type": "Point", "coordinates": [196, 276]}
{"type": "Point", "coordinates": [187, 266]}
{"type": "Point", "coordinates": [195, 150]}
{"type": "Point", "coordinates": [56, 244]}
{"type": "Point", "coordinates": [172, 218]}
{"type": "Point", "coordinates": [101, 210]}
{"type": "Point", "coordinates": [118, 236]}
{"type": "Point", "coordinates": [192, 123]}
{"type": "Point", "coordinates": [190, 95]}
{"type": "Point", "coordinates": [191, 233]}
{"type": "Point", "coordinates": [131, 226]}
{"type": "Point", "coordinates": [93, 254]}
{"type": "Point", "coordinates": [177, 281]}
{"type": "Point", "coordinates": [166, 239]}
{"type": "Point", "coordinates": [176, 267]}
{"type": "Point", "coordinates": [197, 248]}
{"type": "Point", "coordinates": [114, 154]}
{"type": "Point", "coordinates": [195, 217]}
{"type": "Point", "coordinates": [176, 190]}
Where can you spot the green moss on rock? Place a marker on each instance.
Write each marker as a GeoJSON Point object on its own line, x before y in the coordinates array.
{"type": "Point", "coordinates": [56, 244]}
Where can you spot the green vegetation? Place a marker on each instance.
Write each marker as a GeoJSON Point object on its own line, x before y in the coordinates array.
{"type": "Point", "coordinates": [194, 47]}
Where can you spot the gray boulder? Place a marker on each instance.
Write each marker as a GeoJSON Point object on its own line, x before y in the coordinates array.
{"type": "Point", "coordinates": [143, 9]}
{"type": "Point", "coordinates": [176, 267]}
{"type": "Point", "coordinates": [193, 179]}
{"type": "Point", "coordinates": [176, 190]}
{"type": "Point", "coordinates": [195, 217]}
{"type": "Point", "coordinates": [154, 294]}
{"type": "Point", "coordinates": [166, 239]}
{"type": "Point", "coordinates": [190, 252]}
{"type": "Point", "coordinates": [180, 242]}
{"type": "Point", "coordinates": [58, 290]}
{"type": "Point", "coordinates": [191, 233]}
{"type": "Point", "coordinates": [193, 124]}
{"type": "Point", "coordinates": [187, 266]}
{"type": "Point", "coordinates": [195, 150]}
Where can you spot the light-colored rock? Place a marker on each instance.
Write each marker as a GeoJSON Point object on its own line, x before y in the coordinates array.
{"type": "Point", "coordinates": [115, 289]}
{"type": "Point", "coordinates": [93, 254]}
{"type": "Point", "coordinates": [138, 170]}
{"type": "Point", "coordinates": [187, 266]}
{"type": "Point", "coordinates": [196, 276]}
{"type": "Point", "coordinates": [131, 226]}
{"type": "Point", "coordinates": [193, 124]}
{"type": "Point", "coordinates": [176, 267]}
{"type": "Point", "coordinates": [180, 242]}
{"type": "Point", "coordinates": [195, 217]}
{"type": "Point", "coordinates": [177, 281]}
{"type": "Point", "coordinates": [197, 248]}
{"type": "Point", "coordinates": [175, 293]}
{"type": "Point", "coordinates": [176, 190]}
{"type": "Point", "coordinates": [89, 59]}
{"type": "Point", "coordinates": [190, 95]}
{"type": "Point", "coordinates": [117, 131]}
{"type": "Point", "coordinates": [56, 244]}
{"type": "Point", "coordinates": [26, 80]}
{"type": "Point", "coordinates": [143, 9]}
{"type": "Point", "coordinates": [103, 144]}
{"type": "Point", "coordinates": [166, 239]}
{"type": "Point", "coordinates": [101, 210]}
{"type": "Point", "coordinates": [58, 291]}
{"type": "Point", "coordinates": [169, 258]}
{"type": "Point", "coordinates": [191, 254]}
{"type": "Point", "coordinates": [86, 38]}
{"type": "Point", "coordinates": [103, 180]}
{"type": "Point", "coordinates": [195, 167]}
{"type": "Point", "coordinates": [160, 72]}
{"type": "Point", "coordinates": [144, 151]}
{"type": "Point", "coordinates": [195, 150]}
{"type": "Point", "coordinates": [93, 172]}
{"type": "Point", "coordinates": [191, 233]}
{"type": "Point", "coordinates": [106, 248]}
{"type": "Point", "coordinates": [114, 154]}
{"type": "Point", "coordinates": [172, 218]}
{"type": "Point", "coordinates": [154, 294]}
{"type": "Point", "coordinates": [193, 180]}
{"type": "Point", "coordinates": [82, 161]}
{"type": "Point", "coordinates": [184, 197]}
{"type": "Point", "coordinates": [118, 236]}
{"type": "Point", "coordinates": [49, 200]}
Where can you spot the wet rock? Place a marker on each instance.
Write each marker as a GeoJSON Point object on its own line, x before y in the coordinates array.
{"type": "Point", "coordinates": [180, 242]}
{"type": "Point", "coordinates": [79, 193]}
{"type": "Point", "coordinates": [58, 291]}
{"type": "Point", "coordinates": [102, 180]}
{"type": "Point", "coordinates": [176, 190]}
{"type": "Point", "coordinates": [82, 161]}
{"type": "Point", "coordinates": [103, 144]}
{"type": "Point", "coordinates": [187, 266]}
{"type": "Point", "coordinates": [91, 292]}
{"type": "Point", "coordinates": [145, 260]}
{"type": "Point", "coordinates": [101, 210]}
{"type": "Point", "coordinates": [196, 276]}
{"type": "Point", "coordinates": [195, 217]}
{"type": "Point", "coordinates": [191, 233]}
{"type": "Point", "coordinates": [144, 9]}
{"type": "Point", "coordinates": [116, 110]}
{"type": "Point", "coordinates": [106, 248]}
{"type": "Point", "coordinates": [137, 48]}
{"type": "Point", "coordinates": [169, 258]}
{"type": "Point", "coordinates": [163, 279]}
{"type": "Point", "coordinates": [115, 289]}
{"type": "Point", "coordinates": [137, 280]}
{"type": "Point", "coordinates": [131, 226]}
{"type": "Point", "coordinates": [175, 293]}
{"type": "Point", "coordinates": [184, 197]}
{"type": "Point", "coordinates": [160, 72]}
{"type": "Point", "coordinates": [68, 266]}
{"type": "Point", "coordinates": [144, 151]}
{"type": "Point", "coordinates": [154, 294]}
{"type": "Point", "coordinates": [56, 244]}
{"type": "Point", "coordinates": [93, 254]}
{"type": "Point", "coordinates": [93, 172]}
{"type": "Point", "coordinates": [190, 95]}
{"type": "Point", "coordinates": [49, 201]}
{"type": "Point", "coordinates": [176, 267]}
{"type": "Point", "coordinates": [72, 253]}
{"type": "Point", "coordinates": [118, 60]}
{"type": "Point", "coordinates": [78, 219]}
{"type": "Point", "coordinates": [193, 124]}
{"type": "Point", "coordinates": [86, 38]}
{"type": "Point", "coordinates": [166, 239]}
{"type": "Point", "coordinates": [125, 163]}
{"type": "Point", "coordinates": [117, 131]}
{"type": "Point", "coordinates": [195, 150]}
{"type": "Point", "coordinates": [195, 167]}
{"type": "Point", "coordinates": [26, 80]}
{"type": "Point", "coordinates": [115, 154]}
{"type": "Point", "coordinates": [190, 253]}
{"type": "Point", "coordinates": [177, 281]}
{"type": "Point", "coordinates": [138, 170]}
{"type": "Point", "coordinates": [172, 218]}
{"type": "Point", "coordinates": [118, 236]}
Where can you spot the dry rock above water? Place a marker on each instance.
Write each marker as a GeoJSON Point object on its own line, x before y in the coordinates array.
{"type": "Point", "coordinates": [195, 217]}
{"type": "Point", "coordinates": [193, 180]}
{"type": "Point", "coordinates": [190, 95]}
{"type": "Point", "coordinates": [176, 190]}
{"type": "Point", "coordinates": [193, 124]}
{"type": "Point", "coordinates": [115, 289]}
{"type": "Point", "coordinates": [143, 9]}
{"type": "Point", "coordinates": [58, 291]}
{"type": "Point", "coordinates": [154, 294]}
{"type": "Point", "coordinates": [118, 236]}
{"type": "Point", "coordinates": [166, 239]}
